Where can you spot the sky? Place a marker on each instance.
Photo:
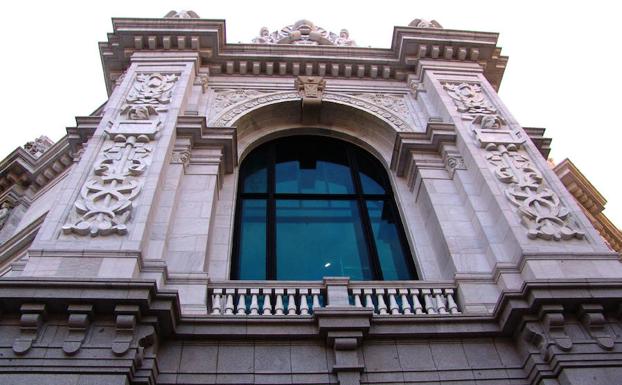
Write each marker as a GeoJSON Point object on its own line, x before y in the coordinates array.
{"type": "Point", "coordinates": [561, 72]}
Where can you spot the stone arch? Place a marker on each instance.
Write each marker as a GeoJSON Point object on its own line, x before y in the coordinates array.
{"type": "Point", "coordinates": [258, 124]}
{"type": "Point", "coordinates": [338, 120]}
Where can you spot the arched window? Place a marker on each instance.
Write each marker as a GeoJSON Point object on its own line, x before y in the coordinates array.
{"type": "Point", "coordinates": [310, 207]}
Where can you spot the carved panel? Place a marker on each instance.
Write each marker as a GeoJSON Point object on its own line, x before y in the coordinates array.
{"type": "Point", "coordinates": [106, 198]}
{"type": "Point", "coordinates": [538, 206]}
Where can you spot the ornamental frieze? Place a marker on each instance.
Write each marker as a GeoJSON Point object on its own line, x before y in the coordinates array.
{"type": "Point", "coordinates": [391, 109]}
{"type": "Point", "coordinates": [105, 203]}
{"type": "Point", "coordinates": [539, 208]}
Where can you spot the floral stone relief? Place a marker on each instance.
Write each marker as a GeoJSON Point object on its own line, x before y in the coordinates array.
{"type": "Point", "coordinates": [538, 207]}
{"type": "Point", "coordinates": [106, 199]}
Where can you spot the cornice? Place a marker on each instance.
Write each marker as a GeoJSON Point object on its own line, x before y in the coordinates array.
{"type": "Point", "coordinates": [208, 39]}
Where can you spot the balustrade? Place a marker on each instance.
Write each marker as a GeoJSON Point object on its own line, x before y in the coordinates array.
{"type": "Point", "coordinates": [275, 298]}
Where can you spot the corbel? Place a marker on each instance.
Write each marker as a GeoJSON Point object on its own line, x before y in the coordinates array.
{"type": "Point", "coordinates": [78, 324]}
{"type": "Point", "coordinates": [593, 319]}
{"type": "Point", "coordinates": [30, 324]}
{"type": "Point", "coordinates": [550, 330]}
{"type": "Point", "coordinates": [311, 89]}
{"type": "Point", "coordinates": [126, 317]}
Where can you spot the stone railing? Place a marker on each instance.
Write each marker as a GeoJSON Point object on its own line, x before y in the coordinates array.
{"type": "Point", "coordinates": [264, 298]}
{"type": "Point", "coordinates": [301, 298]}
{"type": "Point", "coordinates": [397, 298]}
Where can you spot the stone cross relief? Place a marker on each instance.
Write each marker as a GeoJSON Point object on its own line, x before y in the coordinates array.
{"type": "Point", "coordinates": [538, 207]}
{"type": "Point", "coordinates": [106, 199]}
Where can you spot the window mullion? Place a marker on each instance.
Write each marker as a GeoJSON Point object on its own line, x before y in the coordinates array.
{"type": "Point", "coordinates": [364, 215]}
{"type": "Point", "coordinates": [271, 219]}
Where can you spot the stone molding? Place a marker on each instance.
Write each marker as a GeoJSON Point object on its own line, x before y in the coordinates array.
{"type": "Point", "coordinates": [206, 37]}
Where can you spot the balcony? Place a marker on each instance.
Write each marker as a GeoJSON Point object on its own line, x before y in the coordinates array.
{"type": "Point", "coordinates": [302, 298]}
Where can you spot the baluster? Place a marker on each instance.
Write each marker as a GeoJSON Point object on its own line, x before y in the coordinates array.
{"type": "Point", "coordinates": [241, 309]}
{"type": "Point", "coordinates": [304, 305]}
{"type": "Point", "coordinates": [369, 302]}
{"type": "Point", "coordinates": [416, 303]}
{"type": "Point", "coordinates": [382, 306]}
{"type": "Point", "coordinates": [406, 309]}
{"type": "Point", "coordinates": [315, 294]}
{"type": "Point", "coordinates": [254, 308]}
{"type": "Point", "coordinates": [229, 302]}
{"type": "Point", "coordinates": [278, 305]}
{"type": "Point", "coordinates": [429, 301]}
{"type": "Point", "coordinates": [291, 302]}
{"type": "Point", "coordinates": [393, 306]}
{"type": "Point", "coordinates": [451, 303]}
{"type": "Point", "coordinates": [440, 301]}
{"type": "Point", "coordinates": [356, 293]}
{"type": "Point", "coordinates": [216, 304]}
{"type": "Point", "coordinates": [267, 303]}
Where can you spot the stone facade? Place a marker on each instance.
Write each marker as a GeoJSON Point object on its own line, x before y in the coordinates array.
{"type": "Point", "coordinates": [115, 242]}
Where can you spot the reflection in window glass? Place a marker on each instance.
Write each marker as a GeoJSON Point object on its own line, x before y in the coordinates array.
{"type": "Point", "coordinates": [254, 173]}
{"type": "Point", "coordinates": [311, 166]}
{"type": "Point", "coordinates": [252, 252]}
{"type": "Point", "coordinates": [390, 251]}
{"type": "Point", "coordinates": [311, 207]}
{"type": "Point", "coordinates": [320, 238]}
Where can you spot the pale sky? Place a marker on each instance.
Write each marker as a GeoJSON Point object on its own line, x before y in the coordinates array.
{"type": "Point", "coordinates": [561, 73]}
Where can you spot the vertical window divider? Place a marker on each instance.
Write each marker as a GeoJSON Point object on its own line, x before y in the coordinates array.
{"type": "Point", "coordinates": [271, 267]}
{"type": "Point", "coordinates": [366, 222]}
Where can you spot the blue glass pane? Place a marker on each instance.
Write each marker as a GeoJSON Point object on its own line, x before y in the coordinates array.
{"type": "Point", "coordinates": [371, 173]}
{"type": "Point", "coordinates": [312, 166]}
{"type": "Point", "coordinates": [319, 238]}
{"type": "Point", "coordinates": [252, 253]}
{"type": "Point", "coordinates": [253, 174]}
{"type": "Point", "coordinates": [390, 252]}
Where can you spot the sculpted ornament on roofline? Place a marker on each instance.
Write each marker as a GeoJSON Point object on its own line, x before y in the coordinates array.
{"type": "Point", "coordinates": [304, 32]}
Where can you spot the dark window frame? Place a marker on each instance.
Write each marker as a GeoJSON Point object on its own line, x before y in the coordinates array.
{"type": "Point", "coordinates": [271, 197]}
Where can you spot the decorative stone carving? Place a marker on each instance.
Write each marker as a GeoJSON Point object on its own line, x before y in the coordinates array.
{"type": "Point", "coordinates": [30, 326]}
{"type": "Point", "coordinates": [454, 162]}
{"type": "Point", "coordinates": [423, 23]}
{"type": "Point", "coordinates": [265, 37]}
{"type": "Point", "coordinates": [202, 79]}
{"type": "Point", "coordinates": [304, 32]}
{"type": "Point", "coordinates": [398, 121]}
{"type": "Point", "coordinates": [105, 203]}
{"type": "Point", "coordinates": [153, 88]}
{"type": "Point", "coordinates": [593, 320]}
{"type": "Point", "coordinates": [37, 147]}
{"type": "Point", "coordinates": [250, 99]}
{"type": "Point", "coordinates": [310, 87]}
{"type": "Point", "coordinates": [469, 98]}
{"type": "Point", "coordinates": [78, 323]}
{"type": "Point", "coordinates": [394, 103]}
{"type": "Point", "coordinates": [248, 103]}
{"type": "Point", "coordinates": [539, 207]}
{"type": "Point", "coordinates": [228, 97]}
{"type": "Point", "coordinates": [125, 329]}
{"type": "Point", "coordinates": [183, 14]}
{"type": "Point", "coordinates": [5, 212]}
{"type": "Point", "coordinates": [549, 332]}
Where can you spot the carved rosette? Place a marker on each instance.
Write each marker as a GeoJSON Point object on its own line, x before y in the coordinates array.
{"type": "Point", "coordinates": [106, 199]}
{"type": "Point", "coordinates": [539, 207]}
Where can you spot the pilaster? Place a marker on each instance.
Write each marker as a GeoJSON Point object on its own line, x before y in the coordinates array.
{"type": "Point", "coordinates": [99, 222]}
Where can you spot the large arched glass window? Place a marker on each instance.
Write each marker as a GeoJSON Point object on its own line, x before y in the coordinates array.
{"type": "Point", "coordinates": [310, 207]}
